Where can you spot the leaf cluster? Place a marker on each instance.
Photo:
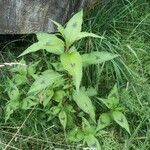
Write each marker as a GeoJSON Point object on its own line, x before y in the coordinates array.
{"type": "Point", "coordinates": [58, 89]}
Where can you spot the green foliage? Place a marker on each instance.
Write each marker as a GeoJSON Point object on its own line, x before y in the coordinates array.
{"type": "Point", "coordinates": [103, 121]}
{"type": "Point", "coordinates": [112, 102]}
{"type": "Point", "coordinates": [113, 99]}
{"type": "Point", "coordinates": [92, 142]}
{"type": "Point", "coordinates": [58, 90]}
{"type": "Point", "coordinates": [72, 62]}
{"type": "Point", "coordinates": [63, 118]}
{"type": "Point", "coordinates": [72, 31]}
{"type": "Point", "coordinates": [45, 80]}
{"type": "Point", "coordinates": [46, 41]}
{"type": "Point", "coordinates": [97, 58]}
{"type": "Point", "coordinates": [121, 119]}
{"type": "Point", "coordinates": [125, 27]}
{"type": "Point", "coordinates": [73, 28]}
{"type": "Point", "coordinates": [84, 102]}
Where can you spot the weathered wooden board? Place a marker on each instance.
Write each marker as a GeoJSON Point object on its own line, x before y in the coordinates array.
{"type": "Point", "coordinates": [30, 16]}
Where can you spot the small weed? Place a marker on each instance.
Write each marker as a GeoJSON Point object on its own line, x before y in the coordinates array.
{"type": "Point", "coordinates": [58, 90]}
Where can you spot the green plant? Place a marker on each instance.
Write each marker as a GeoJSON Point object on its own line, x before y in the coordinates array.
{"type": "Point", "coordinates": [57, 87]}
{"type": "Point", "coordinates": [115, 113]}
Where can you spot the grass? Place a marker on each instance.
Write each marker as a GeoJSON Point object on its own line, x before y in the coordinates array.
{"type": "Point", "coordinates": [126, 27]}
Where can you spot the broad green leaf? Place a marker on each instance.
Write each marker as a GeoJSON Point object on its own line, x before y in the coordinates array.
{"type": "Point", "coordinates": [75, 23]}
{"type": "Point", "coordinates": [55, 110]}
{"type": "Point", "coordinates": [72, 62]}
{"type": "Point", "coordinates": [28, 102]}
{"type": "Point", "coordinates": [49, 42]}
{"type": "Point", "coordinates": [72, 32]}
{"type": "Point", "coordinates": [70, 116]}
{"type": "Point", "coordinates": [13, 91]}
{"type": "Point", "coordinates": [103, 121]}
{"type": "Point", "coordinates": [90, 91]}
{"type": "Point", "coordinates": [87, 127]}
{"type": "Point", "coordinates": [20, 79]}
{"type": "Point", "coordinates": [114, 93]}
{"type": "Point", "coordinates": [59, 82]}
{"type": "Point", "coordinates": [113, 98]}
{"type": "Point", "coordinates": [59, 95]}
{"type": "Point", "coordinates": [63, 119]}
{"type": "Point", "coordinates": [121, 120]}
{"type": "Point", "coordinates": [97, 58]}
{"type": "Point", "coordinates": [47, 78]}
{"type": "Point", "coordinates": [48, 98]}
{"type": "Point", "coordinates": [86, 34]}
{"type": "Point", "coordinates": [33, 48]}
{"type": "Point", "coordinates": [11, 107]}
{"type": "Point", "coordinates": [92, 142]}
{"type": "Point", "coordinates": [84, 103]}
{"type": "Point", "coordinates": [70, 108]}
{"type": "Point", "coordinates": [73, 28]}
{"type": "Point", "coordinates": [85, 124]}
{"type": "Point", "coordinates": [76, 135]}
{"type": "Point", "coordinates": [109, 103]}
{"type": "Point", "coordinates": [58, 66]}
{"type": "Point", "coordinates": [13, 104]}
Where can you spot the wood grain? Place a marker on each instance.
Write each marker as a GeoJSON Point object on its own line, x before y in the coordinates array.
{"type": "Point", "coordinates": [31, 16]}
